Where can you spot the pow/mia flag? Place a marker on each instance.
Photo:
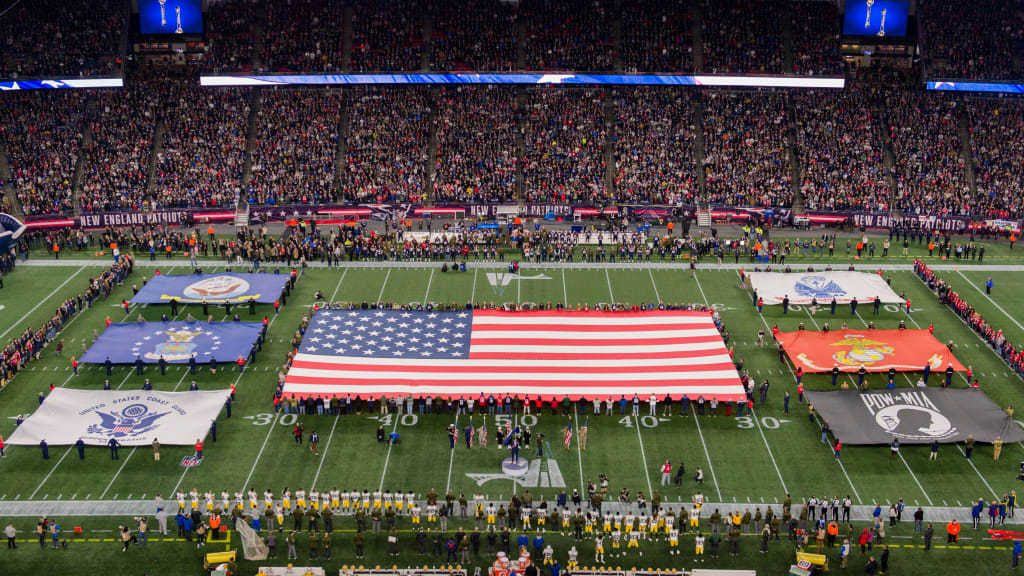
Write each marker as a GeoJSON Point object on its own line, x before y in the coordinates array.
{"type": "Point", "coordinates": [914, 415]}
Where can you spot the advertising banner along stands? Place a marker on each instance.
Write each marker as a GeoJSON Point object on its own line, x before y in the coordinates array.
{"type": "Point", "coordinates": [133, 418]}
{"type": "Point", "coordinates": [214, 288]}
{"type": "Point", "coordinates": [803, 287]}
{"type": "Point", "coordinates": [175, 342]}
{"type": "Point", "coordinates": [875, 350]}
{"type": "Point", "coordinates": [914, 416]}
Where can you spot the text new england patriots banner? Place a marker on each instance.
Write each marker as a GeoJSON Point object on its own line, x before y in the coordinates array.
{"type": "Point", "coordinates": [176, 342]}
{"type": "Point", "coordinates": [132, 418]}
{"type": "Point", "coordinates": [875, 350]}
{"type": "Point", "coordinates": [545, 354]}
{"type": "Point", "coordinates": [214, 288]}
{"type": "Point", "coordinates": [802, 288]}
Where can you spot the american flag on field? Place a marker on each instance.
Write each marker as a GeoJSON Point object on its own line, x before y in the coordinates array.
{"type": "Point", "coordinates": [547, 354]}
{"type": "Point", "coordinates": [568, 434]}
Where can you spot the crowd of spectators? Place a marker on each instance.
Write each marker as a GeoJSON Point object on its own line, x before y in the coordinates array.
{"type": "Point", "coordinates": [815, 39]}
{"type": "Point", "coordinates": [978, 40]}
{"type": "Point", "coordinates": [564, 130]}
{"type": "Point", "coordinates": [476, 145]}
{"type": "Point", "coordinates": [1012, 354]}
{"type": "Point", "coordinates": [304, 36]}
{"type": "Point", "coordinates": [657, 36]}
{"type": "Point", "coordinates": [203, 153]}
{"type": "Point", "coordinates": [387, 35]}
{"type": "Point", "coordinates": [477, 35]}
{"type": "Point", "coordinates": [997, 150]}
{"type": "Point", "coordinates": [117, 162]}
{"type": "Point", "coordinates": [746, 161]}
{"type": "Point", "coordinates": [229, 34]}
{"type": "Point", "coordinates": [841, 161]}
{"type": "Point", "coordinates": [388, 132]}
{"type": "Point", "coordinates": [56, 38]}
{"type": "Point", "coordinates": [42, 132]}
{"type": "Point", "coordinates": [295, 147]}
{"type": "Point", "coordinates": [742, 36]}
{"type": "Point", "coordinates": [924, 132]}
{"type": "Point", "coordinates": [570, 35]}
{"type": "Point", "coordinates": [654, 146]}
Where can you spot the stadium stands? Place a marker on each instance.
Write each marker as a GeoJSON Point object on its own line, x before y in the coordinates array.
{"type": "Point", "coordinates": [840, 152]}
{"type": "Point", "coordinates": [745, 157]}
{"type": "Point", "coordinates": [569, 35]}
{"type": "Point", "coordinates": [476, 145]}
{"type": "Point", "coordinates": [654, 146]}
{"type": "Point", "coordinates": [657, 36]}
{"type": "Point", "coordinates": [474, 35]}
{"type": "Point", "coordinates": [976, 40]}
{"type": "Point", "coordinates": [53, 38]}
{"type": "Point", "coordinates": [118, 161]}
{"type": "Point", "coordinates": [565, 137]}
{"type": "Point", "coordinates": [204, 146]}
{"type": "Point", "coordinates": [295, 147]}
{"type": "Point", "coordinates": [742, 36]}
{"type": "Point", "coordinates": [42, 133]}
{"type": "Point", "coordinates": [997, 149]}
{"type": "Point", "coordinates": [229, 35]}
{"type": "Point", "coordinates": [304, 36]}
{"type": "Point", "coordinates": [387, 145]}
{"type": "Point", "coordinates": [387, 36]}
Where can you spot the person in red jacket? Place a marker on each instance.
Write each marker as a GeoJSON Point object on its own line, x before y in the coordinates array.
{"type": "Point", "coordinates": [74, 365]}
{"type": "Point", "coordinates": [199, 448]}
{"type": "Point", "coordinates": [666, 473]}
{"type": "Point", "coordinates": [800, 392]}
{"type": "Point", "coordinates": [837, 448]}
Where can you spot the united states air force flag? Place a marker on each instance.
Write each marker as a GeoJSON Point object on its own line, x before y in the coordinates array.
{"type": "Point", "coordinates": [133, 418]}
{"type": "Point", "coordinates": [176, 342]}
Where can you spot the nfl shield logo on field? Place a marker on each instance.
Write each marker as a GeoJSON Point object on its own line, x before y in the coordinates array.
{"type": "Point", "coordinates": [191, 461]}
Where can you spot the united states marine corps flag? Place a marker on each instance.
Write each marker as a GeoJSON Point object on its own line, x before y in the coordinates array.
{"type": "Point", "coordinates": [875, 350]}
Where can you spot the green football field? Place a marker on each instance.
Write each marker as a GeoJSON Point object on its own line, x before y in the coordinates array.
{"type": "Point", "coordinates": [752, 461]}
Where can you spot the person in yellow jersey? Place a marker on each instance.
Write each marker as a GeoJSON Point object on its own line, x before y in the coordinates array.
{"type": "Point", "coordinates": [268, 499]}
{"type": "Point", "coordinates": [254, 499]}
{"type": "Point", "coordinates": [634, 538]}
{"type": "Point", "coordinates": [335, 498]}
{"type": "Point", "coordinates": [378, 499]}
{"type": "Point", "coordinates": [286, 499]}
{"type": "Point", "coordinates": [673, 541]}
{"type": "Point", "coordinates": [225, 498]}
{"type": "Point", "coordinates": [698, 544]}
{"type": "Point", "coordinates": [616, 539]}
{"type": "Point", "coordinates": [194, 498]}
{"type": "Point", "coordinates": [415, 513]}
{"type": "Point", "coordinates": [300, 498]}
{"type": "Point", "coordinates": [491, 512]}
{"type": "Point", "coordinates": [694, 518]}
{"type": "Point", "coordinates": [607, 527]}
{"type": "Point", "coordinates": [599, 549]}
{"type": "Point", "coordinates": [314, 498]}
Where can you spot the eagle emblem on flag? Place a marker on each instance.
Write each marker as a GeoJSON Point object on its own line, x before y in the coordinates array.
{"type": "Point", "coordinates": [133, 420]}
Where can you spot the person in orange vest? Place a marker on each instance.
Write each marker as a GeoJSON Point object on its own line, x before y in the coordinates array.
{"type": "Point", "coordinates": [953, 532]}
{"type": "Point", "coordinates": [74, 365]}
{"type": "Point", "coordinates": [215, 526]}
{"type": "Point", "coordinates": [56, 251]}
{"type": "Point", "coordinates": [833, 531]}
{"type": "Point", "coordinates": [199, 448]}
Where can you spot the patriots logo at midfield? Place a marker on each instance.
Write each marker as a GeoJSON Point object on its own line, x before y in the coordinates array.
{"type": "Point", "coordinates": [133, 420]}
{"type": "Point", "coordinates": [812, 286]}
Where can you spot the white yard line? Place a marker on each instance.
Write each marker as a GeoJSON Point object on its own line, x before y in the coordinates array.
{"type": "Point", "coordinates": [989, 298]}
{"type": "Point", "coordinates": [707, 456]}
{"type": "Point", "coordinates": [52, 470]}
{"type": "Point", "coordinates": [40, 303]}
{"type": "Point", "coordinates": [426, 295]}
{"type": "Point", "coordinates": [701, 288]}
{"type": "Point", "coordinates": [327, 447]}
{"type": "Point", "coordinates": [187, 468]}
{"type": "Point", "coordinates": [987, 485]}
{"type": "Point", "coordinates": [388, 457]}
{"type": "Point", "coordinates": [451, 458]}
{"type": "Point", "coordinates": [273, 424]}
{"type": "Point", "coordinates": [918, 482]}
{"type": "Point", "coordinates": [338, 287]}
{"type": "Point", "coordinates": [610, 293]}
{"type": "Point", "coordinates": [565, 291]}
{"type": "Point", "coordinates": [472, 295]}
{"type": "Point", "coordinates": [123, 464]}
{"type": "Point", "coordinates": [770, 455]}
{"type": "Point", "coordinates": [655, 284]}
{"type": "Point", "coordinates": [643, 455]}
{"type": "Point", "coordinates": [382, 286]}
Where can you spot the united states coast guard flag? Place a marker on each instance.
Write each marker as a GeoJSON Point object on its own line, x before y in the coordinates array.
{"type": "Point", "coordinates": [546, 354]}
{"type": "Point", "coordinates": [133, 418]}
